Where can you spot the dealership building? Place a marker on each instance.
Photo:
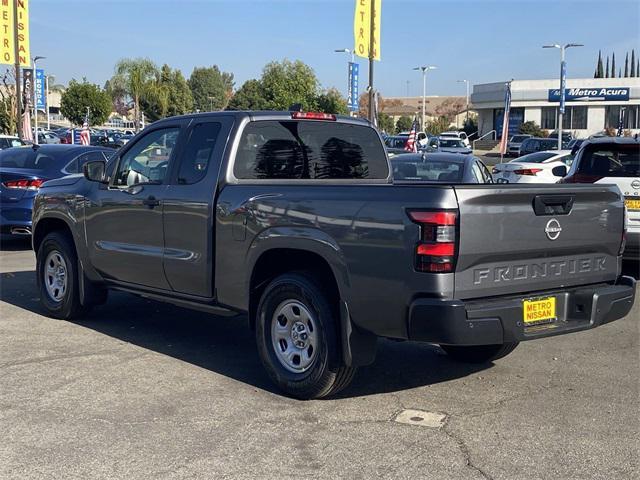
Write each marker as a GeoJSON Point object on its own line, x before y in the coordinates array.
{"type": "Point", "coordinates": [592, 105]}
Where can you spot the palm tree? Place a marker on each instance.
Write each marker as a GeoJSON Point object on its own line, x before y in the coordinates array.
{"type": "Point", "coordinates": [133, 76]}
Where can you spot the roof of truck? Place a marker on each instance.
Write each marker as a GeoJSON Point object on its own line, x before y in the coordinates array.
{"type": "Point", "coordinates": [257, 114]}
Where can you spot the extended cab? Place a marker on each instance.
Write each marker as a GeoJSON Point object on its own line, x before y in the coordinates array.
{"type": "Point", "coordinates": [293, 219]}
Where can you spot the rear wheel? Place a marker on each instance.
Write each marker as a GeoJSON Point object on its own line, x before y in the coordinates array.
{"type": "Point", "coordinates": [296, 333]}
{"type": "Point", "coordinates": [57, 275]}
{"type": "Point", "coordinates": [479, 353]}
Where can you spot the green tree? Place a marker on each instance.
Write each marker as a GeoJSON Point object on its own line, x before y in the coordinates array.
{"type": "Point", "coordinates": [403, 124]}
{"type": "Point", "coordinates": [211, 88]}
{"type": "Point", "coordinates": [331, 101]}
{"type": "Point", "coordinates": [385, 123]}
{"type": "Point", "coordinates": [531, 128]}
{"type": "Point", "coordinates": [167, 95]}
{"type": "Point", "coordinates": [606, 71]}
{"type": "Point", "coordinates": [633, 63]}
{"type": "Point", "coordinates": [286, 83]}
{"type": "Point", "coordinates": [438, 125]}
{"type": "Point", "coordinates": [626, 65]}
{"type": "Point", "coordinates": [133, 77]}
{"type": "Point", "coordinates": [80, 96]}
{"type": "Point", "coordinates": [470, 126]}
{"type": "Point", "coordinates": [599, 68]}
{"type": "Point", "coordinates": [249, 97]}
{"type": "Point", "coordinates": [613, 65]}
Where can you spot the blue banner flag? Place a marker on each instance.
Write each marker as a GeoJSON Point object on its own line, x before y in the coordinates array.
{"type": "Point", "coordinates": [352, 96]}
{"type": "Point", "coordinates": [41, 93]}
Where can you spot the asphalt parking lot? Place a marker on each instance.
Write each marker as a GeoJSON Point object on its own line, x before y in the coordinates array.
{"type": "Point", "coordinates": [140, 389]}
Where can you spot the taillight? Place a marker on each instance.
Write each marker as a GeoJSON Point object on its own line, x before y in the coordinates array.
{"type": "Point", "coordinates": [312, 116]}
{"type": "Point", "coordinates": [26, 183]}
{"type": "Point", "coordinates": [495, 170]}
{"type": "Point", "coordinates": [527, 171]}
{"type": "Point", "coordinates": [436, 250]}
{"type": "Point", "coordinates": [623, 242]}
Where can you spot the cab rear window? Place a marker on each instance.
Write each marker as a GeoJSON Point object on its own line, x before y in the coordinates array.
{"type": "Point", "coordinates": [313, 150]}
{"type": "Point", "coordinates": [611, 161]}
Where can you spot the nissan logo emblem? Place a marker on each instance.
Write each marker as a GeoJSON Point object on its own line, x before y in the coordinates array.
{"type": "Point", "coordinates": [553, 229]}
{"type": "Point", "coordinates": [636, 184]}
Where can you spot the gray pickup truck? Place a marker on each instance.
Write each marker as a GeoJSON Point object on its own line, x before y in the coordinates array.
{"type": "Point", "coordinates": [293, 221]}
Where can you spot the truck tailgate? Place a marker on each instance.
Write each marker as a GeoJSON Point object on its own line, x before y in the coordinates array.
{"type": "Point", "coordinates": [519, 239]}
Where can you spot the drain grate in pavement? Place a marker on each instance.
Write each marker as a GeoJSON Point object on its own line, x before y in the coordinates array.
{"type": "Point", "coordinates": [421, 418]}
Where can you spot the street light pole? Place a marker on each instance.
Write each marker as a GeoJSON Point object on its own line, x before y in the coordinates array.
{"type": "Point", "coordinates": [563, 82]}
{"type": "Point", "coordinates": [35, 99]}
{"type": "Point", "coordinates": [467, 85]}
{"type": "Point", "coordinates": [46, 100]}
{"type": "Point", "coordinates": [425, 69]}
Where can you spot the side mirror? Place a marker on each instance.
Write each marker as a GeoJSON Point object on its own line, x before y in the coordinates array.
{"type": "Point", "coordinates": [95, 171]}
{"type": "Point", "coordinates": [559, 171]}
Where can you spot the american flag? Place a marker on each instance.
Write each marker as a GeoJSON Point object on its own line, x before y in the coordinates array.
{"type": "Point", "coordinates": [85, 136]}
{"type": "Point", "coordinates": [505, 120]}
{"type": "Point", "coordinates": [411, 145]}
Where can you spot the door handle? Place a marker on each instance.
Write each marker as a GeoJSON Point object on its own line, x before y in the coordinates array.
{"type": "Point", "coordinates": [151, 201]}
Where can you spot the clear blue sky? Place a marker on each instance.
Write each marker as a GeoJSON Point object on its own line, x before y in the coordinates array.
{"type": "Point", "coordinates": [480, 40]}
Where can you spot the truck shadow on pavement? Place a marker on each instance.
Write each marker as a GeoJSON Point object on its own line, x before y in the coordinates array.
{"type": "Point", "coordinates": [226, 345]}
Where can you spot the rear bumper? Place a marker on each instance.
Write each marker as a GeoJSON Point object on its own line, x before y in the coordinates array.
{"type": "Point", "coordinates": [499, 320]}
{"type": "Point", "coordinates": [15, 218]}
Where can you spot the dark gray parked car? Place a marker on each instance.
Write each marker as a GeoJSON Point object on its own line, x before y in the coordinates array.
{"type": "Point", "coordinates": [293, 220]}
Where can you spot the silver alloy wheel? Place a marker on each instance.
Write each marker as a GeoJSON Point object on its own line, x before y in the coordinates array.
{"type": "Point", "coordinates": [55, 276]}
{"type": "Point", "coordinates": [294, 336]}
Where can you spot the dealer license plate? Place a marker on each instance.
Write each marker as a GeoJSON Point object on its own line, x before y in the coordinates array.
{"type": "Point", "coordinates": [632, 203]}
{"type": "Point", "coordinates": [539, 310]}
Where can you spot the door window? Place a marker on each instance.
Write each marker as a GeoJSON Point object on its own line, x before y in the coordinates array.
{"type": "Point", "coordinates": [477, 173]}
{"type": "Point", "coordinates": [148, 160]}
{"type": "Point", "coordinates": [199, 152]}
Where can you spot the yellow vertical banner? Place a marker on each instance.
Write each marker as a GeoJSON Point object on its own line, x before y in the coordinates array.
{"type": "Point", "coordinates": [362, 28]}
{"type": "Point", "coordinates": [7, 32]}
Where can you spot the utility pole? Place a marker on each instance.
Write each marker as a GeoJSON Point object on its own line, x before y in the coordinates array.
{"type": "Point", "coordinates": [16, 52]}
{"type": "Point", "coordinates": [467, 84]}
{"type": "Point", "coordinates": [425, 69]}
{"type": "Point", "coordinates": [563, 83]}
{"type": "Point", "coordinates": [371, 55]}
{"type": "Point", "coordinates": [46, 100]}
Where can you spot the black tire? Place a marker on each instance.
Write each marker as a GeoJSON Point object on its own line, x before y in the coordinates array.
{"type": "Point", "coordinates": [326, 375]}
{"type": "Point", "coordinates": [479, 353]}
{"type": "Point", "coordinates": [68, 307]}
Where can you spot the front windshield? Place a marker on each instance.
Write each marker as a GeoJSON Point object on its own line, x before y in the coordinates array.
{"type": "Point", "coordinates": [451, 143]}
{"type": "Point", "coordinates": [518, 138]}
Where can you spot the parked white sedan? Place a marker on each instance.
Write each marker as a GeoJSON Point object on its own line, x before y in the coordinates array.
{"type": "Point", "coordinates": [537, 167]}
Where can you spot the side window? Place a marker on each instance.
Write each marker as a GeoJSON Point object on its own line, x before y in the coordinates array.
{"type": "Point", "coordinates": [485, 172]}
{"type": "Point", "coordinates": [148, 160]}
{"type": "Point", "coordinates": [199, 152]}
{"type": "Point", "coordinates": [309, 150]}
{"type": "Point", "coordinates": [477, 173]}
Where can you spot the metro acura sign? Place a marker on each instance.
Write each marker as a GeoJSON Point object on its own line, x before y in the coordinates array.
{"type": "Point", "coordinates": [606, 94]}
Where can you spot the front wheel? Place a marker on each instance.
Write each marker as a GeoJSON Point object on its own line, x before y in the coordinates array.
{"type": "Point", "coordinates": [57, 275]}
{"type": "Point", "coordinates": [296, 333]}
{"type": "Point", "coordinates": [479, 353]}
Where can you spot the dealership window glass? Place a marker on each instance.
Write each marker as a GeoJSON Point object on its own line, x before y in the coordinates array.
{"type": "Point", "coordinates": [312, 150]}
{"type": "Point", "coordinates": [612, 116]}
{"type": "Point", "coordinates": [198, 154]}
{"type": "Point", "coordinates": [578, 118]}
{"type": "Point", "coordinates": [549, 115]}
